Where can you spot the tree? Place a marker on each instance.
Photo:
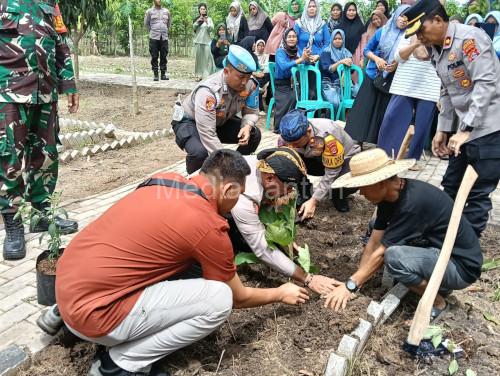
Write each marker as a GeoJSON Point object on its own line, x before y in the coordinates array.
{"type": "Point", "coordinates": [479, 6]}
{"type": "Point", "coordinates": [79, 16]}
{"type": "Point", "coordinates": [453, 8]}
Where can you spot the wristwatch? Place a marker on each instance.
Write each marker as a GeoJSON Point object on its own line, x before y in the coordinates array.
{"type": "Point", "coordinates": [466, 128]}
{"type": "Point", "coordinates": [351, 285]}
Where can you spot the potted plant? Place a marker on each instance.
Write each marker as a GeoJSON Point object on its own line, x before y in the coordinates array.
{"type": "Point", "coordinates": [46, 262]}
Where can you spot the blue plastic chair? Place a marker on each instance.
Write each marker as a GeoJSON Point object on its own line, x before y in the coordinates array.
{"type": "Point", "coordinates": [303, 101]}
{"type": "Point", "coordinates": [272, 69]}
{"type": "Point", "coordinates": [346, 100]}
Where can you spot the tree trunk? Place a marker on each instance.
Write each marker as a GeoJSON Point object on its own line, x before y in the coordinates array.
{"type": "Point", "coordinates": [135, 97]}
{"type": "Point", "coordinates": [77, 36]}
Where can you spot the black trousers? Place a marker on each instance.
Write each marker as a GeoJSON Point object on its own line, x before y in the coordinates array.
{"type": "Point", "coordinates": [158, 48]}
{"type": "Point", "coordinates": [285, 101]}
{"type": "Point", "coordinates": [484, 155]}
{"type": "Point", "coordinates": [188, 139]}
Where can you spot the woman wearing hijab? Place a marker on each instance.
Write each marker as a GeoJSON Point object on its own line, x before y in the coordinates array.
{"type": "Point", "coordinates": [352, 26]}
{"type": "Point", "coordinates": [473, 19]}
{"type": "Point", "coordinates": [259, 24]}
{"type": "Point", "coordinates": [248, 43]}
{"type": "Point", "coordinates": [363, 122]}
{"type": "Point", "coordinates": [335, 17]}
{"type": "Point", "coordinates": [220, 46]}
{"type": "Point", "coordinates": [287, 57]}
{"type": "Point", "coordinates": [203, 26]}
{"type": "Point", "coordinates": [383, 6]}
{"type": "Point", "coordinates": [377, 20]}
{"type": "Point", "coordinates": [281, 22]}
{"type": "Point", "coordinates": [262, 73]}
{"type": "Point", "coordinates": [494, 18]}
{"type": "Point", "coordinates": [330, 59]}
{"type": "Point", "coordinates": [236, 23]}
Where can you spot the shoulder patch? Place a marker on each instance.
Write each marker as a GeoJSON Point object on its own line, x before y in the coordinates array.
{"type": "Point", "coordinates": [470, 50]}
{"type": "Point", "coordinates": [333, 155]}
{"type": "Point", "coordinates": [210, 104]}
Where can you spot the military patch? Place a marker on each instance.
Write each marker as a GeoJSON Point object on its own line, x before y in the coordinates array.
{"type": "Point", "coordinates": [452, 56]}
{"type": "Point", "coordinates": [470, 49]}
{"type": "Point", "coordinates": [244, 94]}
{"type": "Point", "coordinates": [242, 68]}
{"type": "Point", "coordinates": [458, 73]}
{"type": "Point", "coordinates": [465, 83]}
{"type": "Point", "coordinates": [210, 104]}
{"type": "Point", "coordinates": [447, 42]}
{"type": "Point", "coordinates": [333, 155]}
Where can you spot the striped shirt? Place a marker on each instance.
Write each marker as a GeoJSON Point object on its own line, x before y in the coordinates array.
{"type": "Point", "coordinates": [415, 78]}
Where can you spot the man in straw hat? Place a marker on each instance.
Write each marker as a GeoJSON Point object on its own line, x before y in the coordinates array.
{"type": "Point", "coordinates": [466, 62]}
{"type": "Point", "coordinates": [409, 231]}
{"type": "Point", "coordinates": [275, 175]}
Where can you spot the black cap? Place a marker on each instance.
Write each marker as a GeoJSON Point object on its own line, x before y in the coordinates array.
{"type": "Point", "coordinates": [415, 13]}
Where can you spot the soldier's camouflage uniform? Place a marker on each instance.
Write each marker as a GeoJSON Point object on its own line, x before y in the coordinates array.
{"type": "Point", "coordinates": [35, 65]}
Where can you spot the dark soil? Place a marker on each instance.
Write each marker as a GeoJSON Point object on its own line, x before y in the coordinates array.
{"type": "Point", "coordinates": [282, 340]}
{"type": "Point", "coordinates": [47, 267]}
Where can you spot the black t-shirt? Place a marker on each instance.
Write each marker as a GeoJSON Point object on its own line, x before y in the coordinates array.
{"type": "Point", "coordinates": [420, 217]}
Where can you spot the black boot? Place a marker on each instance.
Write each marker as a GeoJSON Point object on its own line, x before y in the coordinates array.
{"type": "Point", "coordinates": [50, 320]}
{"type": "Point", "coordinates": [65, 226]}
{"type": "Point", "coordinates": [14, 246]}
{"type": "Point", "coordinates": [164, 76]}
{"type": "Point", "coordinates": [340, 201]}
{"type": "Point", "coordinates": [155, 76]}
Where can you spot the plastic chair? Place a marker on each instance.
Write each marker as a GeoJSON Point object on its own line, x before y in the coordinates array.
{"type": "Point", "coordinates": [303, 101]}
{"type": "Point", "coordinates": [272, 68]}
{"type": "Point", "coordinates": [346, 100]}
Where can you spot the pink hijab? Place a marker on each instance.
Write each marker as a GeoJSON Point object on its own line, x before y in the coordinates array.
{"type": "Point", "coordinates": [281, 22]}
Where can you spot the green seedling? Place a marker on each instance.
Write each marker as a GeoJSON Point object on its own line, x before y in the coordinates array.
{"type": "Point", "coordinates": [490, 264]}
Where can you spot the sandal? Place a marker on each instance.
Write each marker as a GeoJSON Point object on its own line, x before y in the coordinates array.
{"type": "Point", "coordinates": [436, 312]}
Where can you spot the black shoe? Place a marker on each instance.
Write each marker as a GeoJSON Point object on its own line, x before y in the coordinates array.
{"type": "Point", "coordinates": [65, 226]}
{"type": "Point", "coordinates": [155, 76]}
{"type": "Point", "coordinates": [14, 245]}
{"type": "Point", "coordinates": [164, 76]}
{"type": "Point", "coordinates": [50, 320]}
{"type": "Point", "coordinates": [105, 366]}
{"type": "Point", "coordinates": [341, 204]}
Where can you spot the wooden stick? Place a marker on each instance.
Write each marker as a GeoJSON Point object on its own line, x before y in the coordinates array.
{"type": "Point", "coordinates": [406, 142]}
{"type": "Point", "coordinates": [422, 316]}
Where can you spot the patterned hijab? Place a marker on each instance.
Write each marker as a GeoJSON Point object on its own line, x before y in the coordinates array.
{"type": "Point", "coordinates": [256, 22]}
{"type": "Point", "coordinates": [338, 53]}
{"type": "Point", "coordinates": [293, 14]}
{"type": "Point", "coordinates": [391, 35]}
{"type": "Point", "coordinates": [333, 24]}
{"type": "Point", "coordinates": [311, 25]}
{"type": "Point", "coordinates": [233, 23]}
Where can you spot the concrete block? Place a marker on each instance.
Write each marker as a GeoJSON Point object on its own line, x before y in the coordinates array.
{"type": "Point", "coordinates": [399, 290]}
{"type": "Point", "coordinates": [390, 303]}
{"type": "Point", "coordinates": [17, 297]}
{"type": "Point", "coordinates": [95, 150]}
{"type": "Point", "coordinates": [375, 312]}
{"type": "Point", "coordinates": [131, 141]}
{"type": "Point", "coordinates": [11, 358]}
{"type": "Point", "coordinates": [124, 143]}
{"type": "Point", "coordinates": [387, 280]}
{"type": "Point", "coordinates": [18, 270]}
{"type": "Point", "coordinates": [85, 151]}
{"type": "Point", "coordinates": [27, 334]}
{"type": "Point", "coordinates": [74, 154]}
{"type": "Point", "coordinates": [115, 145]}
{"type": "Point", "coordinates": [336, 365]}
{"type": "Point", "coordinates": [348, 347]}
{"type": "Point", "coordinates": [105, 147]}
{"type": "Point", "coordinates": [15, 315]}
{"type": "Point", "coordinates": [362, 332]}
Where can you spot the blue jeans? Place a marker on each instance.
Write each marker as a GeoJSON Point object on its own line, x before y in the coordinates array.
{"type": "Point", "coordinates": [412, 265]}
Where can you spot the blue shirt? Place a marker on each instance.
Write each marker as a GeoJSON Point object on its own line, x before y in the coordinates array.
{"type": "Point", "coordinates": [284, 65]}
{"type": "Point", "coordinates": [325, 61]}
{"type": "Point", "coordinates": [372, 46]}
{"type": "Point", "coordinates": [321, 39]}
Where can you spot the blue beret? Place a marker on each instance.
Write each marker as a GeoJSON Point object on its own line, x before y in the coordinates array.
{"type": "Point", "coordinates": [240, 59]}
{"type": "Point", "coordinates": [293, 125]}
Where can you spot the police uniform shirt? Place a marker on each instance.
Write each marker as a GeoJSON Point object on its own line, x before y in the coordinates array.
{"type": "Point", "coordinates": [212, 103]}
{"type": "Point", "coordinates": [338, 147]}
{"type": "Point", "coordinates": [470, 73]}
{"type": "Point", "coordinates": [246, 216]}
{"type": "Point", "coordinates": [157, 21]}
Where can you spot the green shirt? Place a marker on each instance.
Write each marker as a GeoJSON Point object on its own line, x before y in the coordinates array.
{"type": "Point", "coordinates": [35, 61]}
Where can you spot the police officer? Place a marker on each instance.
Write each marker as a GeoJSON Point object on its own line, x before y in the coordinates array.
{"type": "Point", "coordinates": [326, 149]}
{"type": "Point", "coordinates": [35, 66]}
{"type": "Point", "coordinates": [157, 22]}
{"type": "Point", "coordinates": [210, 111]}
{"type": "Point", "coordinates": [465, 61]}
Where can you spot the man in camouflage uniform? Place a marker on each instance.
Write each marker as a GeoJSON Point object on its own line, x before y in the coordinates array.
{"type": "Point", "coordinates": [35, 65]}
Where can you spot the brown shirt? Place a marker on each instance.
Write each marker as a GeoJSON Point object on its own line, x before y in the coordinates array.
{"type": "Point", "coordinates": [147, 237]}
